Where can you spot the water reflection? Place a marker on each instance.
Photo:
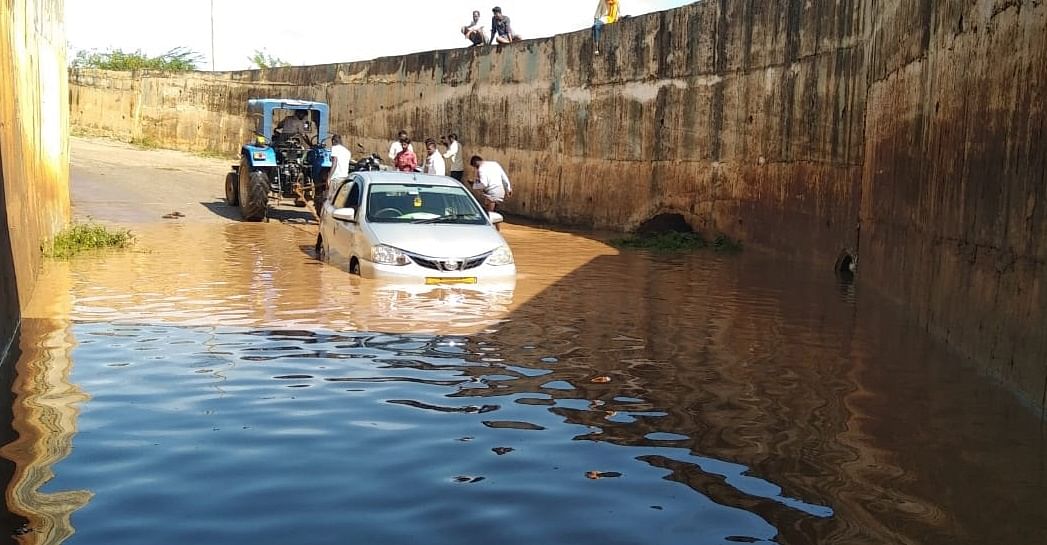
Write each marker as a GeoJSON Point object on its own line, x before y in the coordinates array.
{"type": "Point", "coordinates": [45, 412]}
{"type": "Point", "coordinates": [605, 398]}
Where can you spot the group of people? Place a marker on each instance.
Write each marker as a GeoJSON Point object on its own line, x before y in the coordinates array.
{"type": "Point", "coordinates": [502, 32]}
{"type": "Point", "coordinates": [491, 185]}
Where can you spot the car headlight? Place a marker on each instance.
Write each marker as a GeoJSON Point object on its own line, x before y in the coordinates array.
{"type": "Point", "coordinates": [387, 255]}
{"type": "Point", "coordinates": [500, 257]}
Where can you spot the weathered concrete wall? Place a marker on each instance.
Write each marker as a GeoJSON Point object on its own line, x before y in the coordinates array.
{"type": "Point", "coordinates": [34, 149]}
{"type": "Point", "coordinates": [954, 193]}
{"type": "Point", "coordinates": [788, 124]}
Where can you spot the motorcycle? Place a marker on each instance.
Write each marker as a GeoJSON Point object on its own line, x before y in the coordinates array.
{"type": "Point", "coordinates": [368, 163]}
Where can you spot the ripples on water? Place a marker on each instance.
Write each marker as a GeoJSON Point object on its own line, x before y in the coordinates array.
{"type": "Point", "coordinates": [244, 394]}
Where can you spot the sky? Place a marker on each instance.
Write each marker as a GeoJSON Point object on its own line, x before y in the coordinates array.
{"type": "Point", "coordinates": [313, 31]}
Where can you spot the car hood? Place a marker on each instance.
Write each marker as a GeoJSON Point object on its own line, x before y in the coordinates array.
{"type": "Point", "coordinates": [438, 239]}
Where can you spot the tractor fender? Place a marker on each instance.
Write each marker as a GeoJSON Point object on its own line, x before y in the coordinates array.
{"type": "Point", "coordinates": [259, 156]}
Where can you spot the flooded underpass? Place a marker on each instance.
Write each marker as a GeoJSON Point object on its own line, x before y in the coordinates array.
{"type": "Point", "coordinates": [217, 384]}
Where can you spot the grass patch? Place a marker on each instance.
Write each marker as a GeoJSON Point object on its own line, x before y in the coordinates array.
{"type": "Point", "coordinates": [82, 237]}
{"type": "Point", "coordinates": [676, 242]}
{"type": "Point", "coordinates": [146, 143]}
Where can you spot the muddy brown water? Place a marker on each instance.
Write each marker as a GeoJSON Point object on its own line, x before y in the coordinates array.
{"type": "Point", "coordinates": [216, 384]}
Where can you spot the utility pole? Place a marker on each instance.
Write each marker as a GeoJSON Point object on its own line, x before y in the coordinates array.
{"type": "Point", "coordinates": [212, 36]}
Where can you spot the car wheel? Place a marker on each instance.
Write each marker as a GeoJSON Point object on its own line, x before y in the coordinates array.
{"type": "Point", "coordinates": [354, 266]}
{"type": "Point", "coordinates": [320, 253]}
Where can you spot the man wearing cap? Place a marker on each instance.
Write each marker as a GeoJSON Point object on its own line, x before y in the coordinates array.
{"type": "Point", "coordinates": [501, 32]}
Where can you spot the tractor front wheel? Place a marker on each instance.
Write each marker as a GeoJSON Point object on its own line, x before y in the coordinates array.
{"type": "Point", "coordinates": [232, 189]}
{"type": "Point", "coordinates": [254, 195]}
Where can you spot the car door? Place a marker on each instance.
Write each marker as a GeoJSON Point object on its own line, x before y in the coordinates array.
{"type": "Point", "coordinates": [327, 222]}
{"type": "Point", "coordinates": [344, 233]}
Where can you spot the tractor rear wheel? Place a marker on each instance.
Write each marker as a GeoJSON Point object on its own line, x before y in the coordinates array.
{"type": "Point", "coordinates": [254, 195]}
{"type": "Point", "coordinates": [232, 189]}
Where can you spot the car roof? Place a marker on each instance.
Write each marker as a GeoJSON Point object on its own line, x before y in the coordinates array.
{"type": "Point", "coordinates": [286, 103]}
{"type": "Point", "coordinates": [393, 177]}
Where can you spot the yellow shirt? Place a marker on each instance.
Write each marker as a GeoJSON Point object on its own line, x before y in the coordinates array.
{"type": "Point", "coordinates": [607, 11]}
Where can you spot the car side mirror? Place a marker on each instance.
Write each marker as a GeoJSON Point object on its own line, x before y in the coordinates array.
{"type": "Point", "coordinates": [344, 214]}
{"type": "Point", "coordinates": [496, 217]}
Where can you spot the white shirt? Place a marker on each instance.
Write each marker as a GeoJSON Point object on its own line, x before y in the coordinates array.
{"type": "Point", "coordinates": [475, 25]}
{"type": "Point", "coordinates": [341, 165]}
{"type": "Point", "coordinates": [434, 164]}
{"type": "Point", "coordinates": [454, 153]}
{"type": "Point", "coordinates": [494, 182]}
{"type": "Point", "coordinates": [396, 148]}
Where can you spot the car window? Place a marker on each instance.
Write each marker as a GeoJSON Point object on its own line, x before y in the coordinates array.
{"type": "Point", "coordinates": [344, 196]}
{"type": "Point", "coordinates": [353, 201]}
{"type": "Point", "coordinates": [340, 195]}
{"type": "Point", "coordinates": [416, 203]}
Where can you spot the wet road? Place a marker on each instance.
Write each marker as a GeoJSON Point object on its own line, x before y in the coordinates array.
{"type": "Point", "coordinates": [216, 384]}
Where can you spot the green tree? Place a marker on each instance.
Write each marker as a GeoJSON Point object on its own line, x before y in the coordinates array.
{"type": "Point", "coordinates": [261, 59]}
{"type": "Point", "coordinates": [179, 59]}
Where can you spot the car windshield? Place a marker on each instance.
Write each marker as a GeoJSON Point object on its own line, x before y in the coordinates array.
{"type": "Point", "coordinates": [421, 203]}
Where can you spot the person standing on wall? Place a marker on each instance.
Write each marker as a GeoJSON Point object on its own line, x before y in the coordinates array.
{"type": "Point", "coordinates": [606, 14]}
{"type": "Point", "coordinates": [401, 143]}
{"type": "Point", "coordinates": [434, 162]}
{"type": "Point", "coordinates": [340, 159]}
{"type": "Point", "coordinates": [491, 182]}
{"type": "Point", "coordinates": [454, 155]}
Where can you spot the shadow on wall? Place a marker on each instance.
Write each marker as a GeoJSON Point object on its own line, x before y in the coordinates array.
{"type": "Point", "coordinates": [10, 313]}
{"type": "Point", "coordinates": [10, 316]}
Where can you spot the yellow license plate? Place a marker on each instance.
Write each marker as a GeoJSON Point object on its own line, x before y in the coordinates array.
{"type": "Point", "coordinates": [431, 280]}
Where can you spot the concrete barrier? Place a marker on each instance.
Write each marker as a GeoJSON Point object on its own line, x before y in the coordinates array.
{"type": "Point", "coordinates": [34, 147]}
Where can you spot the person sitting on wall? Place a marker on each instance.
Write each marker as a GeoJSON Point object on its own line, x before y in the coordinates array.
{"type": "Point", "coordinates": [501, 32]}
{"type": "Point", "coordinates": [606, 14]}
{"type": "Point", "coordinates": [474, 31]}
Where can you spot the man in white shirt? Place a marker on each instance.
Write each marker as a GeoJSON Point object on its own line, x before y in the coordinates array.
{"type": "Point", "coordinates": [434, 162]}
{"type": "Point", "coordinates": [491, 182]}
{"type": "Point", "coordinates": [401, 143]}
{"type": "Point", "coordinates": [454, 154]}
{"type": "Point", "coordinates": [474, 31]}
{"type": "Point", "coordinates": [340, 160]}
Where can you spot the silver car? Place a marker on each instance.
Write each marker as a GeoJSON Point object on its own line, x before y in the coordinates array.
{"type": "Point", "coordinates": [412, 227]}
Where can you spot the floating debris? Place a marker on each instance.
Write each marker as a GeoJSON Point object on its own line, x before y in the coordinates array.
{"type": "Point", "coordinates": [596, 475]}
{"type": "Point", "coordinates": [468, 479]}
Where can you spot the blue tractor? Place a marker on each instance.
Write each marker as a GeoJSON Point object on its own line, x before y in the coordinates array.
{"type": "Point", "coordinates": [285, 162]}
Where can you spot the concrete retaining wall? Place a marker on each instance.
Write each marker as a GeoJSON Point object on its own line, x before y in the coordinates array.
{"type": "Point", "coordinates": [908, 131]}
{"type": "Point", "coordinates": [954, 194]}
{"type": "Point", "coordinates": [34, 147]}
